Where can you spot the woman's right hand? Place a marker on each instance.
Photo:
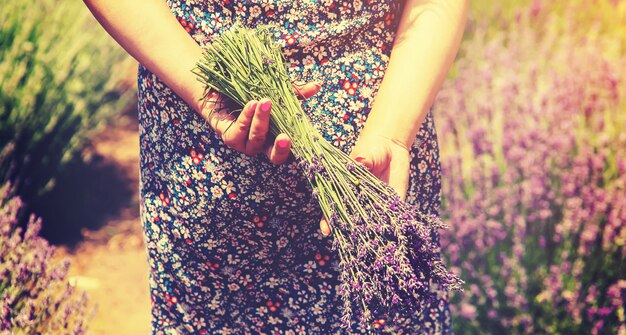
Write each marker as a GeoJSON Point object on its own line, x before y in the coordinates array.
{"type": "Point", "coordinates": [248, 132]}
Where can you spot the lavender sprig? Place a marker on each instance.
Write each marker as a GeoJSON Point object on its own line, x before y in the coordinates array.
{"type": "Point", "coordinates": [388, 259]}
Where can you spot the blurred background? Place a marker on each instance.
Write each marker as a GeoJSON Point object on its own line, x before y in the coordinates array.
{"type": "Point", "coordinates": [532, 131]}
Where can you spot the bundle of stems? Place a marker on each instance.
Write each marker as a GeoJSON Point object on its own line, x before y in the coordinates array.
{"type": "Point", "coordinates": [388, 260]}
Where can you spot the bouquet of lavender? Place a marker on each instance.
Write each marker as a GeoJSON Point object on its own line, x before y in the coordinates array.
{"type": "Point", "coordinates": [388, 260]}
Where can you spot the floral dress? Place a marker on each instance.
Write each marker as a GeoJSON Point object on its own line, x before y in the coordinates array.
{"type": "Point", "coordinates": [233, 241]}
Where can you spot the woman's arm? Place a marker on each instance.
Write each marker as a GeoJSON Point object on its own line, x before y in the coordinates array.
{"type": "Point", "coordinates": [427, 41]}
{"type": "Point", "coordinates": [150, 33]}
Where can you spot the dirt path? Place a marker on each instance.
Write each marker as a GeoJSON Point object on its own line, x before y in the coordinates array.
{"type": "Point", "coordinates": [110, 262]}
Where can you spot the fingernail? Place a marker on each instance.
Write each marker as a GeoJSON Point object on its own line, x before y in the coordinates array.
{"type": "Point", "coordinates": [317, 85]}
{"type": "Point", "coordinates": [283, 144]}
{"type": "Point", "coordinates": [266, 106]}
{"type": "Point", "coordinates": [360, 160]}
{"type": "Point", "coordinates": [253, 105]}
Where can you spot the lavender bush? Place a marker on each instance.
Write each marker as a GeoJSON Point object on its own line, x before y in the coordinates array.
{"type": "Point", "coordinates": [35, 296]}
{"type": "Point", "coordinates": [533, 137]}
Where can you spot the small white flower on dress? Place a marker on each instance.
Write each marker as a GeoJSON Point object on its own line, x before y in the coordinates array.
{"type": "Point", "coordinates": [310, 266]}
{"type": "Point", "coordinates": [217, 191]}
{"type": "Point", "coordinates": [272, 282]}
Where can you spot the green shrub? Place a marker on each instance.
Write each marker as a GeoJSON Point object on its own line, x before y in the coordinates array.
{"type": "Point", "coordinates": [60, 77]}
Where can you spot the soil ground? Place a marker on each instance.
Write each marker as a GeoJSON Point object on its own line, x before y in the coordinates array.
{"type": "Point", "coordinates": [110, 262]}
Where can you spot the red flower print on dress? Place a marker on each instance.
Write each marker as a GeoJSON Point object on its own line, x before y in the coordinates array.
{"type": "Point", "coordinates": [291, 38]}
{"type": "Point", "coordinates": [272, 306]}
{"type": "Point", "coordinates": [389, 19]}
{"type": "Point", "coordinates": [378, 323]}
{"type": "Point", "coordinates": [259, 221]}
{"type": "Point", "coordinates": [188, 25]}
{"type": "Point", "coordinates": [196, 158]}
{"type": "Point", "coordinates": [171, 299]}
{"type": "Point", "coordinates": [350, 87]}
{"type": "Point", "coordinates": [213, 265]}
{"type": "Point", "coordinates": [321, 259]}
{"type": "Point", "coordinates": [165, 200]}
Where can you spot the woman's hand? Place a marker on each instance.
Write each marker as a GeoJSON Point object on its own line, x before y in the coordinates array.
{"type": "Point", "coordinates": [386, 158]}
{"type": "Point", "coordinates": [409, 87]}
{"type": "Point", "coordinates": [248, 132]}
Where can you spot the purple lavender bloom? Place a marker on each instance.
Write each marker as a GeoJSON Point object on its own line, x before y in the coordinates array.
{"type": "Point", "coordinates": [30, 299]}
{"type": "Point", "coordinates": [534, 197]}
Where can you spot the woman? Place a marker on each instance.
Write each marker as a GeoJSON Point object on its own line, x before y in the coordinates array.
{"type": "Point", "coordinates": [230, 229]}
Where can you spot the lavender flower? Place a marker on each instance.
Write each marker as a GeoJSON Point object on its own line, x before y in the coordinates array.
{"type": "Point", "coordinates": [533, 182]}
{"type": "Point", "coordinates": [35, 297]}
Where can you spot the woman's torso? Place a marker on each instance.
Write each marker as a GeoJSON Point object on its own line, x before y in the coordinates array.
{"type": "Point", "coordinates": [233, 240]}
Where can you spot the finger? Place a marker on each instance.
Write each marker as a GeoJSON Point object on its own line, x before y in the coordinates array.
{"type": "Point", "coordinates": [259, 127]}
{"type": "Point", "coordinates": [366, 162]}
{"type": "Point", "coordinates": [305, 91]}
{"type": "Point", "coordinates": [220, 122]}
{"type": "Point", "coordinates": [325, 227]}
{"type": "Point", "coordinates": [384, 174]}
{"type": "Point", "coordinates": [213, 111]}
{"type": "Point", "coordinates": [399, 180]}
{"type": "Point", "coordinates": [279, 152]}
{"type": "Point", "coordinates": [209, 104]}
{"type": "Point", "coordinates": [401, 189]}
{"type": "Point", "coordinates": [238, 132]}
{"type": "Point", "coordinates": [375, 161]}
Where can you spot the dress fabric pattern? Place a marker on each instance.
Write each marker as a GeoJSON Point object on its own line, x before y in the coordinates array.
{"type": "Point", "coordinates": [233, 241]}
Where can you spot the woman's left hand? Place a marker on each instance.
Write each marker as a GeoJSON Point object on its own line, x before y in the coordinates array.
{"type": "Point", "coordinates": [386, 158]}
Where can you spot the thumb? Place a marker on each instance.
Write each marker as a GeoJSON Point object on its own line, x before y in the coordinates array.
{"type": "Point", "coordinates": [375, 161]}
{"type": "Point", "coordinates": [306, 90]}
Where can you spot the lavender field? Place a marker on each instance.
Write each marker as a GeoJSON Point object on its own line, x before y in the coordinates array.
{"type": "Point", "coordinates": [532, 129]}
{"type": "Point", "coordinates": [532, 133]}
